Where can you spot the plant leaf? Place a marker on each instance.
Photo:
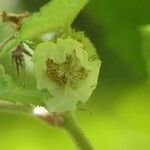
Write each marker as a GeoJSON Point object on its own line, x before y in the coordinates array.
{"type": "Point", "coordinates": [12, 44]}
{"type": "Point", "coordinates": [56, 15]}
{"type": "Point", "coordinates": [9, 91]}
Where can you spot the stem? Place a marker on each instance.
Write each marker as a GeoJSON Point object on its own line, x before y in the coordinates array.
{"type": "Point", "coordinates": [71, 126]}
{"type": "Point", "coordinates": [14, 107]}
{"type": "Point", "coordinates": [69, 123]}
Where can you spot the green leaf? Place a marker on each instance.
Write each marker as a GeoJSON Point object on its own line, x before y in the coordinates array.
{"type": "Point", "coordinates": [5, 30]}
{"type": "Point", "coordinates": [57, 15]}
{"type": "Point", "coordinates": [11, 45]}
{"type": "Point", "coordinates": [9, 91]}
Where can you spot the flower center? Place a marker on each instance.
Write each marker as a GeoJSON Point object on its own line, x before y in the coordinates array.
{"type": "Point", "coordinates": [68, 72]}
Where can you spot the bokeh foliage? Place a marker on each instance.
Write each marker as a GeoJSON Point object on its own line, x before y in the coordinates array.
{"type": "Point", "coordinates": [118, 113]}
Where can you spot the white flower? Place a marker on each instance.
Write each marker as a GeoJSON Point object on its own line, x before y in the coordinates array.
{"type": "Point", "coordinates": [65, 69]}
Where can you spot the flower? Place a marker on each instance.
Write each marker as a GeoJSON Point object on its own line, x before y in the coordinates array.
{"type": "Point", "coordinates": [65, 69]}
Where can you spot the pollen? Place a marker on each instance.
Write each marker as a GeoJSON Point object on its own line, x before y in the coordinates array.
{"type": "Point", "coordinates": [68, 72]}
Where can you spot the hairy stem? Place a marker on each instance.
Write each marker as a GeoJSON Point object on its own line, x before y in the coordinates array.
{"type": "Point", "coordinates": [71, 126]}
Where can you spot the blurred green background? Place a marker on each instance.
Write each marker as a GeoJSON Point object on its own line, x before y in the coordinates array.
{"type": "Point", "coordinates": [118, 116]}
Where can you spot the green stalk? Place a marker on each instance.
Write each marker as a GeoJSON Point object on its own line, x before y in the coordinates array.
{"type": "Point", "coordinates": [74, 130]}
